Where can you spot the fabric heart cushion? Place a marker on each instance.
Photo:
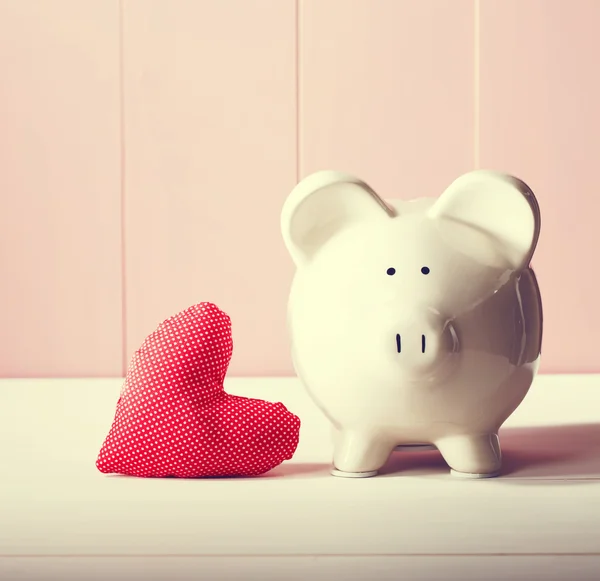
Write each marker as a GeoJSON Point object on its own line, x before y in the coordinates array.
{"type": "Point", "coordinates": [174, 417]}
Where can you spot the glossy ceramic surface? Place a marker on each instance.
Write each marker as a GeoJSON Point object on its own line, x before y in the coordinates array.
{"type": "Point", "coordinates": [414, 322]}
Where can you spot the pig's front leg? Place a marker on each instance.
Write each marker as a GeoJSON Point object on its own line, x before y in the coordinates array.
{"type": "Point", "coordinates": [472, 456]}
{"type": "Point", "coordinates": [359, 453]}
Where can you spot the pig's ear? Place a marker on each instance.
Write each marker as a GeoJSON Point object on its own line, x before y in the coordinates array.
{"type": "Point", "coordinates": [493, 217]}
{"type": "Point", "coordinates": [321, 206]}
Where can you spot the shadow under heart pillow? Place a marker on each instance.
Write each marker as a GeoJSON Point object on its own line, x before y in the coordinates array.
{"type": "Point", "coordinates": [174, 417]}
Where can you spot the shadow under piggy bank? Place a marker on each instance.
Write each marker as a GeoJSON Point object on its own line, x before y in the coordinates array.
{"type": "Point", "coordinates": [570, 452]}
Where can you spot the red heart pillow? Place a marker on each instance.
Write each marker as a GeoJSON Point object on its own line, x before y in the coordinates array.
{"type": "Point", "coordinates": [174, 418]}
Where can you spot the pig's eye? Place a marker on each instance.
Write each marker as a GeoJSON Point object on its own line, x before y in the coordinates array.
{"type": "Point", "coordinates": [425, 270]}
{"type": "Point", "coordinates": [391, 271]}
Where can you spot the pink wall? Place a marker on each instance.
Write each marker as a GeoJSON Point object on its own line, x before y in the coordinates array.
{"type": "Point", "coordinates": [146, 147]}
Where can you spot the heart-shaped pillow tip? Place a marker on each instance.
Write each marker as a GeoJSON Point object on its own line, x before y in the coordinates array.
{"type": "Point", "coordinates": [174, 418]}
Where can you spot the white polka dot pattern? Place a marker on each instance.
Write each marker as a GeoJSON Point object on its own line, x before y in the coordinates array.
{"type": "Point", "coordinates": [174, 418]}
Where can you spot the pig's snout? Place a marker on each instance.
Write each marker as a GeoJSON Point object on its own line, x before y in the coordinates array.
{"type": "Point", "coordinates": [423, 345]}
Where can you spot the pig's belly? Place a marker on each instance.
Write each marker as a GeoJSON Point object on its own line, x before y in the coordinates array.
{"type": "Point", "coordinates": [482, 391]}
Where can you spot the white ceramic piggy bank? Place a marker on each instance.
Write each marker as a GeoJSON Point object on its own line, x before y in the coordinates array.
{"type": "Point", "coordinates": [414, 322]}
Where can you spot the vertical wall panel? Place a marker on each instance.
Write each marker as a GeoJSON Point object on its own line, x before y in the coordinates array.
{"type": "Point", "coordinates": [60, 237]}
{"type": "Point", "coordinates": [386, 91]}
{"type": "Point", "coordinates": [210, 130]}
{"type": "Point", "coordinates": [540, 119]}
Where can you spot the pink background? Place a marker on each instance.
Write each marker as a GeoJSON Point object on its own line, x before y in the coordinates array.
{"type": "Point", "coordinates": [146, 148]}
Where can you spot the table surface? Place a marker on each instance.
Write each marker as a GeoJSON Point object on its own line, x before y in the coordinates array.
{"type": "Point", "coordinates": [61, 518]}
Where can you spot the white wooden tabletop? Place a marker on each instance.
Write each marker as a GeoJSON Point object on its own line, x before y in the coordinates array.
{"type": "Point", "coordinates": [62, 519]}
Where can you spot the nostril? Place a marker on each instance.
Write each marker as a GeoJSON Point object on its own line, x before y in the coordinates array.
{"type": "Point", "coordinates": [422, 343]}
{"type": "Point", "coordinates": [398, 343]}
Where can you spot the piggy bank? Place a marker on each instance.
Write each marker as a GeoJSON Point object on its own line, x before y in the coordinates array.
{"type": "Point", "coordinates": [414, 323]}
